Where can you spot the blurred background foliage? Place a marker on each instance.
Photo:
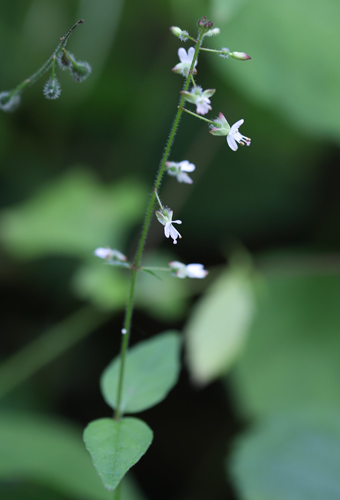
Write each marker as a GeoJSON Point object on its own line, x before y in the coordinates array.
{"type": "Point", "coordinates": [76, 174]}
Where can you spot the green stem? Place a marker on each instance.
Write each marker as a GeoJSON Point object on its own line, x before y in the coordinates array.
{"type": "Point", "coordinates": [198, 116]}
{"type": "Point", "coordinates": [211, 50]}
{"type": "Point", "coordinates": [192, 39]}
{"type": "Point", "coordinates": [116, 492]}
{"type": "Point", "coordinates": [45, 67]}
{"type": "Point", "coordinates": [129, 307]}
{"type": "Point", "coordinates": [47, 347]}
{"type": "Point", "coordinates": [155, 269]}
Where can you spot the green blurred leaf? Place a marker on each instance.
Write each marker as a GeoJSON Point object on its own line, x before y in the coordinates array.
{"type": "Point", "coordinates": [218, 326]}
{"type": "Point", "coordinates": [285, 39]}
{"type": "Point", "coordinates": [291, 457]}
{"type": "Point", "coordinates": [72, 216]}
{"type": "Point", "coordinates": [107, 287]}
{"type": "Point", "coordinates": [49, 452]}
{"type": "Point", "coordinates": [292, 356]}
{"type": "Point", "coordinates": [151, 370]}
{"type": "Point", "coordinates": [116, 446]}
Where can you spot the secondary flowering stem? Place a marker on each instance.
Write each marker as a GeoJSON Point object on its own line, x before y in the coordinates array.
{"type": "Point", "coordinates": [198, 116]}
{"type": "Point", "coordinates": [129, 306]}
{"type": "Point", "coordinates": [45, 67]}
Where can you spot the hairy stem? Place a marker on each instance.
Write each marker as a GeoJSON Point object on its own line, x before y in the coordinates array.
{"type": "Point", "coordinates": [129, 306]}
{"type": "Point", "coordinates": [48, 64]}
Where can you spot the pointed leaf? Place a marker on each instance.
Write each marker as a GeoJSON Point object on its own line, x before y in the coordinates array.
{"type": "Point", "coordinates": [151, 370]}
{"type": "Point", "coordinates": [116, 446]}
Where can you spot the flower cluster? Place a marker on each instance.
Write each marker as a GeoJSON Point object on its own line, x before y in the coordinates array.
{"type": "Point", "coordinates": [193, 94]}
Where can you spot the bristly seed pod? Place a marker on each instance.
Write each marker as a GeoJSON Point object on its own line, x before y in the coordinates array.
{"type": "Point", "coordinates": [80, 71]}
{"type": "Point", "coordinates": [52, 88]}
{"type": "Point", "coordinates": [9, 101]}
{"type": "Point", "coordinates": [65, 62]}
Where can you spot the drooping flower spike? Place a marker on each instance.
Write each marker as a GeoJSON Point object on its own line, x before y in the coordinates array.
{"type": "Point", "coordinates": [165, 218]}
{"type": "Point", "coordinates": [186, 58]}
{"type": "Point", "coordinates": [180, 170]}
{"type": "Point", "coordinates": [190, 271]}
{"type": "Point", "coordinates": [232, 133]}
{"type": "Point", "coordinates": [200, 98]}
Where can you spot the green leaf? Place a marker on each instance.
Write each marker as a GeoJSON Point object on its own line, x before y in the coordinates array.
{"type": "Point", "coordinates": [116, 446]}
{"type": "Point", "coordinates": [50, 452]}
{"type": "Point", "coordinates": [282, 73]}
{"type": "Point", "coordinates": [292, 357]}
{"type": "Point", "coordinates": [151, 370]}
{"type": "Point", "coordinates": [217, 329]}
{"type": "Point", "coordinates": [291, 457]}
{"type": "Point", "coordinates": [72, 216]}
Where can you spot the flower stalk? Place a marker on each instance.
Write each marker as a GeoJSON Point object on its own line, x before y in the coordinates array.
{"type": "Point", "coordinates": [129, 307]}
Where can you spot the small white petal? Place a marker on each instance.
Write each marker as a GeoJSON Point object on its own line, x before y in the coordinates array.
{"type": "Point", "coordinates": [191, 53]}
{"type": "Point", "coordinates": [177, 222]}
{"type": "Point", "coordinates": [167, 229]}
{"type": "Point", "coordinates": [185, 166]}
{"type": "Point", "coordinates": [236, 126]}
{"type": "Point", "coordinates": [182, 54]}
{"type": "Point", "coordinates": [183, 177]}
{"type": "Point", "coordinates": [196, 271]}
{"type": "Point", "coordinates": [174, 233]}
{"type": "Point", "coordinates": [103, 253]}
{"type": "Point", "coordinates": [232, 143]}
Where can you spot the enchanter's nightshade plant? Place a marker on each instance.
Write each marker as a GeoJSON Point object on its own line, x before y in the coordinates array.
{"type": "Point", "coordinates": [141, 377]}
{"type": "Point", "coordinates": [179, 170]}
{"type": "Point", "coordinates": [10, 100]}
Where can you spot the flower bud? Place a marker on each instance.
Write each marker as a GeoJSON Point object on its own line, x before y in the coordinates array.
{"type": "Point", "coordinates": [80, 71]}
{"type": "Point", "coordinates": [52, 89]}
{"type": "Point", "coordinates": [213, 32]}
{"type": "Point", "coordinates": [9, 101]}
{"type": "Point", "coordinates": [175, 30]}
{"type": "Point", "coordinates": [241, 56]}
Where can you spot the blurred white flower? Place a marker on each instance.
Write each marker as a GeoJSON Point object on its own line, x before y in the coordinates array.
{"type": "Point", "coordinates": [186, 59]}
{"type": "Point", "coordinates": [165, 218]}
{"type": "Point", "coordinates": [234, 136]}
{"type": "Point", "coordinates": [112, 256]}
{"type": "Point", "coordinates": [179, 170]}
{"type": "Point", "coordinates": [190, 271]}
{"type": "Point", "coordinates": [200, 98]}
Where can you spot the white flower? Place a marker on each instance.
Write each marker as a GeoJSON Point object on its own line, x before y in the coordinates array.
{"type": "Point", "coordinates": [186, 59]}
{"type": "Point", "coordinates": [235, 136]}
{"type": "Point", "coordinates": [232, 133]}
{"type": "Point", "coordinates": [179, 170]}
{"type": "Point", "coordinates": [165, 218]}
{"type": "Point", "coordinates": [200, 98]}
{"type": "Point", "coordinates": [112, 256]}
{"type": "Point", "coordinates": [190, 271]}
